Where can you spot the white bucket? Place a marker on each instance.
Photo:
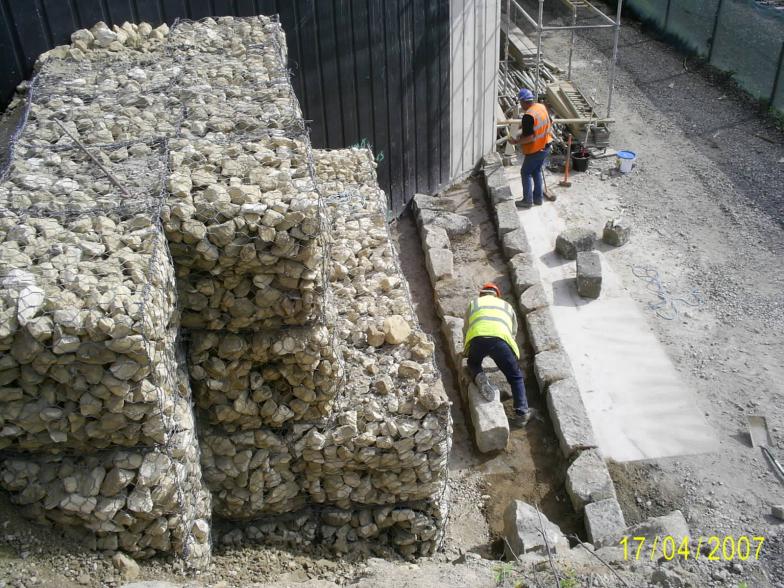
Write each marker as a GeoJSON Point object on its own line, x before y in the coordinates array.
{"type": "Point", "coordinates": [626, 160]}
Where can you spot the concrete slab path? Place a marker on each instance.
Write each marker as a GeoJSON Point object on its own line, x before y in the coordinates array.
{"type": "Point", "coordinates": [638, 404]}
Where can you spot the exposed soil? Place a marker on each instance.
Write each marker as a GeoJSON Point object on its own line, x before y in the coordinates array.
{"type": "Point", "coordinates": [532, 468]}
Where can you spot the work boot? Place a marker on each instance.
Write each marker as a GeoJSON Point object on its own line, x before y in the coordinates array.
{"type": "Point", "coordinates": [523, 204]}
{"type": "Point", "coordinates": [486, 389]}
{"type": "Point", "coordinates": [521, 419]}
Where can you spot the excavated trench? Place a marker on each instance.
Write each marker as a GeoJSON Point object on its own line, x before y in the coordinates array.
{"type": "Point", "coordinates": [531, 468]}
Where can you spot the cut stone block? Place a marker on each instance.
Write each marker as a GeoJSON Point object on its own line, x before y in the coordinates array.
{"type": "Point", "coordinates": [533, 299]}
{"type": "Point", "coordinates": [440, 264]}
{"type": "Point", "coordinates": [616, 232]}
{"type": "Point", "coordinates": [528, 530]}
{"type": "Point", "coordinates": [777, 510]}
{"type": "Point", "coordinates": [514, 243]}
{"type": "Point", "coordinates": [506, 217]}
{"type": "Point", "coordinates": [491, 161]}
{"type": "Point", "coordinates": [571, 241]}
{"type": "Point", "coordinates": [570, 419]}
{"type": "Point", "coordinates": [551, 366]}
{"type": "Point", "coordinates": [604, 522]}
{"type": "Point", "coordinates": [454, 224]}
{"type": "Point", "coordinates": [588, 480]}
{"type": "Point", "coordinates": [500, 194]}
{"type": "Point", "coordinates": [426, 202]}
{"type": "Point", "coordinates": [541, 330]}
{"type": "Point", "coordinates": [491, 427]}
{"type": "Point", "coordinates": [673, 524]}
{"type": "Point", "coordinates": [523, 273]}
{"type": "Point", "coordinates": [589, 274]}
{"type": "Point", "coordinates": [435, 237]}
{"type": "Point", "coordinates": [453, 332]}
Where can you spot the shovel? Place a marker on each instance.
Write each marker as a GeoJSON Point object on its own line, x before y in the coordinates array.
{"type": "Point", "coordinates": [760, 437]}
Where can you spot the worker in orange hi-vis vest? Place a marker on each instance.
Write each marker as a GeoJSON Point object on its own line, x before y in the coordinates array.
{"type": "Point", "coordinates": [535, 138]}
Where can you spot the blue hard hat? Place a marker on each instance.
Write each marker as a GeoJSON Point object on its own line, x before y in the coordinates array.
{"type": "Point", "coordinates": [525, 94]}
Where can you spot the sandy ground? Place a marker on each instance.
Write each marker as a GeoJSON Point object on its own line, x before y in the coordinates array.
{"type": "Point", "coordinates": [707, 215]}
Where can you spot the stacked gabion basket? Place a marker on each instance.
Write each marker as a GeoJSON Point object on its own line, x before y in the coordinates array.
{"type": "Point", "coordinates": [201, 205]}
{"type": "Point", "coordinates": [97, 429]}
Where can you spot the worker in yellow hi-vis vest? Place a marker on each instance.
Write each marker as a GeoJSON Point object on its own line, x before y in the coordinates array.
{"type": "Point", "coordinates": [490, 329]}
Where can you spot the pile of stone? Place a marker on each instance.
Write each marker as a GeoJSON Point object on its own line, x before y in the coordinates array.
{"type": "Point", "coordinates": [91, 396]}
{"type": "Point", "coordinates": [102, 42]}
{"type": "Point", "coordinates": [143, 501]}
{"type": "Point", "coordinates": [96, 420]}
{"type": "Point", "coordinates": [323, 416]}
{"type": "Point", "coordinates": [50, 182]}
{"type": "Point", "coordinates": [245, 226]}
{"type": "Point", "coordinates": [374, 472]}
{"type": "Point", "coordinates": [246, 381]}
{"type": "Point", "coordinates": [103, 103]}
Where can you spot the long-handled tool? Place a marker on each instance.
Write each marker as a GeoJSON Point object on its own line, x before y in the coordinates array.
{"type": "Point", "coordinates": [565, 182]}
{"type": "Point", "coordinates": [760, 437]}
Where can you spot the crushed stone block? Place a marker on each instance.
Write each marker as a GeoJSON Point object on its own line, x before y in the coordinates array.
{"type": "Point", "coordinates": [616, 232]}
{"type": "Point", "coordinates": [570, 241]}
{"type": "Point", "coordinates": [541, 330]}
{"type": "Point", "coordinates": [570, 419]}
{"type": "Point", "coordinates": [532, 299]}
{"type": "Point", "coordinates": [589, 274]}
{"type": "Point", "coordinates": [523, 529]}
{"type": "Point", "coordinates": [491, 427]}
{"type": "Point", "coordinates": [588, 480]}
{"type": "Point", "coordinates": [506, 217]}
{"type": "Point", "coordinates": [551, 366]}
{"type": "Point", "coordinates": [604, 522]}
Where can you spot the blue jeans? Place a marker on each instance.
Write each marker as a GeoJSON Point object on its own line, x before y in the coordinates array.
{"type": "Point", "coordinates": [532, 170]}
{"type": "Point", "coordinates": [505, 359]}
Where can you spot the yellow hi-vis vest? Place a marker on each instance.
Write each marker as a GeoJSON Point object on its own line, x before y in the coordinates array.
{"type": "Point", "coordinates": [489, 316]}
{"type": "Point", "coordinates": [542, 126]}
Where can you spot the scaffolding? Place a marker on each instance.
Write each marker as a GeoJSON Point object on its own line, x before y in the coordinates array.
{"type": "Point", "coordinates": [540, 27]}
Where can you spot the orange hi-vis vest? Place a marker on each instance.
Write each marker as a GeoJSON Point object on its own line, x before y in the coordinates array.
{"type": "Point", "coordinates": [542, 126]}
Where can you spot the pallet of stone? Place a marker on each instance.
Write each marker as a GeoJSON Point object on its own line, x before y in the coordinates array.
{"type": "Point", "coordinates": [122, 180]}
{"type": "Point", "coordinates": [411, 530]}
{"type": "Point", "coordinates": [87, 315]}
{"type": "Point", "coordinates": [228, 36]}
{"type": "Point", "coordinates": [142, 501]}
{"type": "Point", "coordinates": [340, 170]}
{"type": "Point", "coordinates": [246, 381]}
{"type": "Point", "coordinates": [249, 303]}
{"type": "Point", "coordinates": [125, 114]}
{"type": "Point", "coordinates": [349, 460]}
{"type": "Point", "coordinates": [242, 205]}
{"type": "Point", "coordinates": [388, 438]}
{"type": "Point", "coordinates": [103, 43]}
{"type": "Point", "coordinates": [225, 113]}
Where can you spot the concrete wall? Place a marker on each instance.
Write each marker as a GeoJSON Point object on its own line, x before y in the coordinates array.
{"type": "Point", "coordinates": [474, 52]}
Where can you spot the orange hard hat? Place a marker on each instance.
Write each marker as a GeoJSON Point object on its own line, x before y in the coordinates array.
{"type": "Point", "coordinates": [491, 287]}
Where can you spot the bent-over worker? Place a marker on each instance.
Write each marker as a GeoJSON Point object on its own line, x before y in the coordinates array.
{"type": "Point", "coordinates": [534, 140]}
{"type": "Point", "coordinates": [490, 329]}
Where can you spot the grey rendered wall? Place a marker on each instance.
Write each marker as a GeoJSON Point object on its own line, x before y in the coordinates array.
{"type": "Point", "coordinates": [474, 50]}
